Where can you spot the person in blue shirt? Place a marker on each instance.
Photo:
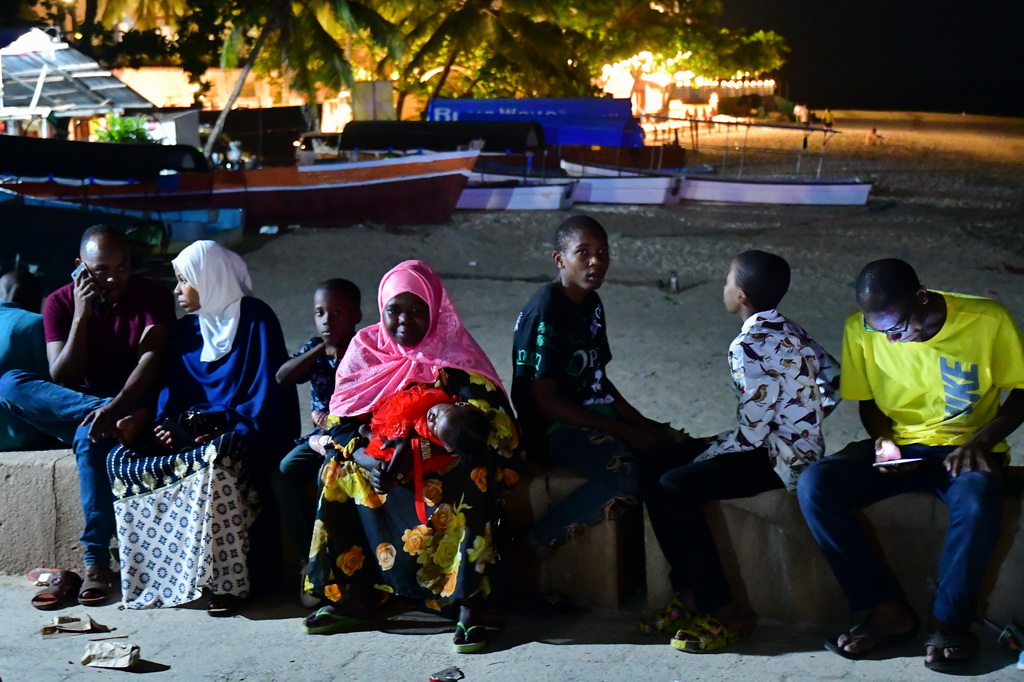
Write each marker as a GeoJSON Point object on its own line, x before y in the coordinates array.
{"type": "Point", "coordinates": [21, 347]}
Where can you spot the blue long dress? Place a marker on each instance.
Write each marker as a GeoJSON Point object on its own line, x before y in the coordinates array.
{"type": "Point", "coordinates": [183, 518]}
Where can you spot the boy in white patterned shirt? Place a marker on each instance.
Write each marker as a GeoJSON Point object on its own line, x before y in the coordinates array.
{"type": "Point", "coordinates": [786, 384]}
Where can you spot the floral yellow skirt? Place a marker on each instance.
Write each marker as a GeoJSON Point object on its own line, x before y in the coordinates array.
{"type": "Point", "coordinates": [377, 540]}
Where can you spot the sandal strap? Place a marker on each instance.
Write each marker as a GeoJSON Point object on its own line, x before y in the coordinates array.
{"type": "Point", "coordinates": [666, 618]}
{"type": "Point", "coordinates": [863, 631]}
{"type": "Point", "coordinates": [467, 632]}
{"type": "Point", "coordinates": [941, 640]}
{"type": "Point", "coordinates": [706, 633]}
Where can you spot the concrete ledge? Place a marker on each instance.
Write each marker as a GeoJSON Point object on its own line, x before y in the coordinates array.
{"type": "Point", "coordinates": [40, 512]}
{"type": "Point", "coordinates": [777, 569]}
{"type": "Point", "coordinates": [773, 563]}
{"type": "Point", "coordinates": [601, 567]}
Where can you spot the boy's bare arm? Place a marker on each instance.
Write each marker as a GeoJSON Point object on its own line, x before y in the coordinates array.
{"type": "Point", "coordinates": [629, 413]}
{"type": "Point", "coordinates": [554, 407]}
{"type": "Point", "coordinates": [290, 372]}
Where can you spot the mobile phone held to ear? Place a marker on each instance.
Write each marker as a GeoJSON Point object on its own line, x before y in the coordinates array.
{"type": "Point", "coordinates": [897, 462]}
{"type": "Point", "coordinates": [100, 300]}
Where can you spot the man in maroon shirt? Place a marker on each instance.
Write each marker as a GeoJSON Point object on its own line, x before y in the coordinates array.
{"type": "Point", "coordinates": [106, 332]}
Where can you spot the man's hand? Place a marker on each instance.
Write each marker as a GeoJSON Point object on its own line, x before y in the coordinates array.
{"type": "Point", "coordinates": [970, 458]}
{"type": "Point", "coordinates": [131, 427]}
{"type": "Point", "coordinates": [101, 422]}
{"type": "Point", "coordinates": [887, 451]}
{"type": "Point", "coordinates": [85, 291]}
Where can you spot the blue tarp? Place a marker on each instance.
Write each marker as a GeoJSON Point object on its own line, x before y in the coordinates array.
{"type": "Point", "coordinates": [578, 121]}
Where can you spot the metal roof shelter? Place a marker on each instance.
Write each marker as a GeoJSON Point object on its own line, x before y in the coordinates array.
{"type": "Point", "coordinates": [43, 75]}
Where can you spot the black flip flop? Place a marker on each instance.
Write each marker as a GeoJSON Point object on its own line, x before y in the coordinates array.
{"type": "Point", "coordinates": [221, 605]}
{"type": "Point", "coordinates": [951, 641]}
{"type": "Point", "coordinates": [882, 640]}
{"type": "Point", "coordinates": [63, 587]}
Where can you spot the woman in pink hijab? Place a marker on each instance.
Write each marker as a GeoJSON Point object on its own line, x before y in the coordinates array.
{"type": "Point", "coordinates": [369, 543]}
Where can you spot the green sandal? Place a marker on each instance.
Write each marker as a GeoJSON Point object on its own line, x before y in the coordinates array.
{"type": "Point", "coordinates": [474, 638]}
{"type": "Point", "coordinates": [666, 620]}
{"type": "Point", "coordinates": [336, 622]}
{"type": "Point", "coordinates": [705, 634]}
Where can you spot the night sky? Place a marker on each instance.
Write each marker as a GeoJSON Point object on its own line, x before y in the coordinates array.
{"type": "Point", "coordinates": [901, 55]}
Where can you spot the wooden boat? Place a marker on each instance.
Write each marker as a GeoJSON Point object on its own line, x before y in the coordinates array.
{"type": "Point", "coordinates": [737, 184]}
{"type": "Point", "coordinates": [767, 190]}
{"type": "Point", "coordinates": [504, 177]}
{"type": "Point", "coordinates": [155, 232]}
{"type": "Point", "coordinates": [598, 141]}
{"type": "Point", "coordinates": [404, 190]}
{"type": "Point", "coordinates": [606, 185]}
{"type": "Point", "coordinates": [493, 192]}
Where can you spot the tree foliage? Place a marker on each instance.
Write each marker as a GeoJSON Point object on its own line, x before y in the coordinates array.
{"type": "Point", "coordinates": [526, 48]}
{"type": "Point", "coordinates": [125, 129]}
{"type": "Point", "coordinates": [512, 48]}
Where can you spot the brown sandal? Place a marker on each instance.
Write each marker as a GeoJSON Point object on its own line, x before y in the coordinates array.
{"type": "Point", "coordinates": [95, 591]}
{"type": "Point", "coordinates": [63, 586]}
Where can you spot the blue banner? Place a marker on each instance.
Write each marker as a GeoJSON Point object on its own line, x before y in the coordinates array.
{"type": "Point", "coordinates": [577, 121]}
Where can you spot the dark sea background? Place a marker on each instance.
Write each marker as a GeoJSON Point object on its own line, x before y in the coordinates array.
{"type": "Point", "coordinates": [896, 55]}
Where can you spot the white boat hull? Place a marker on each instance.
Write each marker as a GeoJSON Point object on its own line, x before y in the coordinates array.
{"type": "Point", "coordinates": [555, 195]}
{"type": "Point", "coordinates": [602, 186]}
{"type": "Point", "coordinates": [780, 191]}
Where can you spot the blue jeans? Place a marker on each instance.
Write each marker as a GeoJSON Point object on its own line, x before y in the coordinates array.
{"type": "Point", "coordinates": [610, 469]}
{"type": "Point", "coordinates": [831, 488]}
{"type": "Point", "coordinates": [59, 411]}
{"type": "Point", "coordinates": [295, 484]}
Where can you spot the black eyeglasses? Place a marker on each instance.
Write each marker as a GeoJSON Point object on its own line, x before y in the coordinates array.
{"type": "Point", "coordinates": [900, 327]}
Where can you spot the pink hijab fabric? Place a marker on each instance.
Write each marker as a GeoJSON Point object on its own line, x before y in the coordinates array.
{"type": "Point", "coordinates": [376, 367]}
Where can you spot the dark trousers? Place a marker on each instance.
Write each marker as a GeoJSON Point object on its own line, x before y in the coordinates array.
{"type": "Point", "coordinates": [675, 488]}
{"type": "Point", "coordinates": [832, 488]}
{"type": "Point", "coordinates": [296, 483]}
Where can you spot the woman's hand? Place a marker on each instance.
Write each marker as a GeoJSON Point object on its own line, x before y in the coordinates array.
{"type": "Point", "coordinates": [384, 476]}
{"type": "Point", "coordinates": [401, 462]}
{"type": "Point", "coordinates": [164, 437]}
{"type": "Point", "coordinates": [206, 437]}
{"type": "Point", "coordinates": [381, 481]}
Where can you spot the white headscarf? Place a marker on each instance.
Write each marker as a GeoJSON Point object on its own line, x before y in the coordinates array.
{"type": "Point", "coordinates": [221, 279]}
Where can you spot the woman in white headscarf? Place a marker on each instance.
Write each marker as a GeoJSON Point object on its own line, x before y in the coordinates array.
{"type": "Point", "coordinates": [185, 498]}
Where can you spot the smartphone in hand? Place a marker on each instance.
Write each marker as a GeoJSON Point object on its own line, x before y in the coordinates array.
{"type": "Point", "coordinates": [100, 300]}
{"type": "Point", "coordinates": [897, 462]}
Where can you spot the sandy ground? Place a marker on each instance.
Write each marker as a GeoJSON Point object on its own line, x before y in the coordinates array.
{"type": "Point", "coordinates": [948, 198]}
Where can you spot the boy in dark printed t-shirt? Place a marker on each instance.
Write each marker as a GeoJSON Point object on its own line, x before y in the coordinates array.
{"type": "Point", "coordinates": [336, 314]}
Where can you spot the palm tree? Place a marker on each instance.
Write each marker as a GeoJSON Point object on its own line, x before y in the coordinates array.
{"type": "Point", "coordinates": [304, 44]}
{"type": "Point", "coordinates": [510, 47]}
{"type": "Point", "coordinates": [144, 14]}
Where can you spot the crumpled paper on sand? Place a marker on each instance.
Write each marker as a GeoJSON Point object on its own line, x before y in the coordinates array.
{"type": "Point", "coordinates": [110, 654]}
{"type": "Point", "coordinates": [71, 625]}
